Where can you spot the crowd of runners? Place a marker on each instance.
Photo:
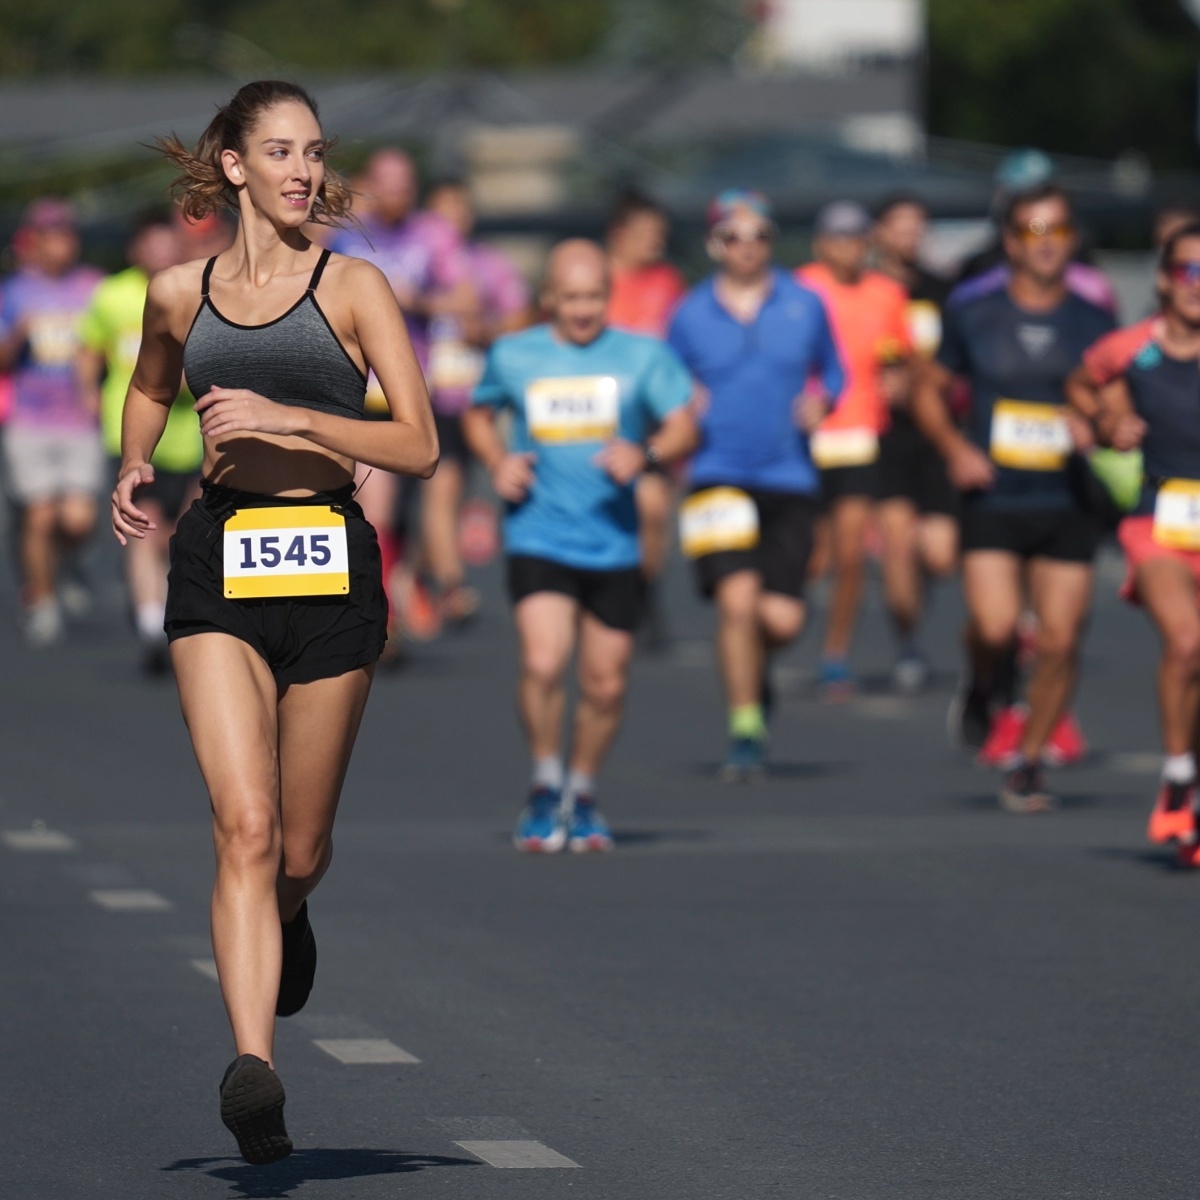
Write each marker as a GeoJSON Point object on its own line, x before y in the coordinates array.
{"type": "Point", "coordinates": [287, 409]}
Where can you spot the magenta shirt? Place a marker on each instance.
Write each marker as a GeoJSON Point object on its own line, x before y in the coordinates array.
{"type": "Point", "coordinates": [45, 393]}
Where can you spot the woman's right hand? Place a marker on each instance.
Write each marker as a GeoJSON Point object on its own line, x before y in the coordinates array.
{"type": "Point", "coordinates": [127, 519]}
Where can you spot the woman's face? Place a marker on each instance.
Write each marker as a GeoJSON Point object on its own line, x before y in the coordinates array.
{"type": "Point", "coordinates": [283, 166]}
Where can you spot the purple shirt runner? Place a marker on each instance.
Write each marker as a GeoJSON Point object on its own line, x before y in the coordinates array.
{"type": "Point", "coordinates": [45, 394]}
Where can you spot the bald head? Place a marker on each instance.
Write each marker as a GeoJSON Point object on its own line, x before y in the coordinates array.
{"type": "Point", "coordinates": [576, 290]}
{"type": "Point", "coordinates": [391, 183]}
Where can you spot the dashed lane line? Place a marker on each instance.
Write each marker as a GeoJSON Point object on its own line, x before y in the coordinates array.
{"type": "Point", "coordinates": [130, 900]}
{"type": "Point", "coordinates": [517, 1154]}
{"type": "Point", "coordinates": [361, 1051]}
{"type": "Point", "coordinates": [207, 967]}
{"type": "Point", "coordinates": [39, 840]}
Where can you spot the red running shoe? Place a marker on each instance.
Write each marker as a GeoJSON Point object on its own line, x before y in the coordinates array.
{"type": "Point", "coordinates": [1173, 817]}
{"type": "Point", "coordinates": [1066, 745]}
{"type": "Point", "coordinates": [1003, 745]}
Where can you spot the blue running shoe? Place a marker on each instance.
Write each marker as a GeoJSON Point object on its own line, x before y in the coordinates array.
{"type": "Point", "coordinates": [540, 828]}
{"type": "Point", "coordinates": [747, 760]}
{"type": "Point", "coordinates": [587, 830]}
{"type": "Point", "coordinates": [835, 680]}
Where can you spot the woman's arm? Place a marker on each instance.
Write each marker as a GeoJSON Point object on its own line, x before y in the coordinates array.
{"type": "Point", "coordinates": [1117, 422]}
{"type": "Point", "coordinates": [407, 444]}
{"type": "Point", "coordinates": [155, 384]}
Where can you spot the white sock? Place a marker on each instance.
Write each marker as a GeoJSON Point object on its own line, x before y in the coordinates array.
{"type": "Point", "coordinates": [149, 619]}
{"type": "Point", "coordinates": [548, 773]}
{"type": "Point", "coordinates": [579, 784]}
{"type": "Point", "coordinates": [1179, 768]}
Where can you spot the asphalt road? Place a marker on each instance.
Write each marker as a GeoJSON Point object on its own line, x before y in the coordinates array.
{"type": "Point", "coordinates": [857, 980]}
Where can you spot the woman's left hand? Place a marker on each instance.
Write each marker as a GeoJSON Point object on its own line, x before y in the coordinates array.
{"type": "Point", "coordinates": [237, 410]}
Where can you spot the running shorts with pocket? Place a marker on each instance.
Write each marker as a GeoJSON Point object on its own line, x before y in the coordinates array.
{"type": "Point", "coordinates": [729, 529]}
{"type": "Point", "coordinates": [300, 637]}
{"type": "Point", "coordinates": [614, 598]}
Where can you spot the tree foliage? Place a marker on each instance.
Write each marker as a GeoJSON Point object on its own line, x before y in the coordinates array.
{"type": "Point", "coordinates": [1091, 77]}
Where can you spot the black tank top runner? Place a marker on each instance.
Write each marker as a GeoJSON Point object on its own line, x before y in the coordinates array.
{"type": "Point", "coordinates": [295, 359]}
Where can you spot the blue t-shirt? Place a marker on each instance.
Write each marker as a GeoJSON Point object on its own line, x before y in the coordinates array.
{"type": "Point", "coordinates": [1019, 361]}
{"type": "Point", "coordinates": [567, 401]}
{"type": "Point", "coordinates": [753, 372]}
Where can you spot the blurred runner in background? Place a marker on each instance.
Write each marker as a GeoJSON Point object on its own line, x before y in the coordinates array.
{"type": "Point", "coordinates": [761, 348]}
{"type": "Point", "coordinates": [918, 506]}
{"type": "Point", "coordinates": [645, 290]}
{"type": "Point", "coordinates": [425, 262]}
{"type": "Point", "coordinates": [584, 399]}
{"type": "Point", "coordinates": [1028, 532]}
{"type": "Point", "coordinates": [1149, 397]}
{"type": "Point", "coordinates": [111, 335]}
{"type": "Point", "coordinates": [53, 458]}
{"type": "Point", "coordinates": [867, 311]}
{"type": "Point", "coordinates": [456, 356]}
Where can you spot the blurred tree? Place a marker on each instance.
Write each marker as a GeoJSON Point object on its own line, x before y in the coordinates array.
{"type": "Point", "coordinates": [1092, 77]}
{"type": "Point", "coordinates": [134, 36]}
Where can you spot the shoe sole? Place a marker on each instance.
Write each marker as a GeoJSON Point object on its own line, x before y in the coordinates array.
{"type": "Point", "coordinates": [1026, 805]}
{"type": "Point", "coordinates": [252, 1110]}
{"type": "Point", "coordinates": [595, 844]}
{"type": "Point", "coordinates": [550, 845]}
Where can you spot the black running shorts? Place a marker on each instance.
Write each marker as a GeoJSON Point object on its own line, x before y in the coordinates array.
{"type": "Point", "coordinates": [1061, 534]}
{"type": "Point", "coordinates": [301, 638]}
{"type": "Point", "coordinates": [911, 469]}
{"type": "Point", "coordinates": [451, 439]}
{"type": "Point", "coordinates": [614, 598]}
{"type": "Point", "coordinates": [844, 483]}
{"type": "Point", "coordinates": [784, 545]}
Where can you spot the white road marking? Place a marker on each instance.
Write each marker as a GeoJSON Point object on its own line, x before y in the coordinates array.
{"type": "Point", "coordinates": [39, 839]}
{"type": "Point", "coordinates": [889, 708]}
{"type": "Point", "coordinates": [130, 900]}
{"type": "Point", "coordinates": [514, 1154]}
{"type": "Point", "coordinates": [207, 967]}
{"type": "Point", "coordinates": [1134, 764]}
{"type": "Point", "coordinates": [356, 1051]}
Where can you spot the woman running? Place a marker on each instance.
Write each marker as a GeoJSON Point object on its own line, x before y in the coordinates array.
{"type": "Point", "coordinates": [275, 609]}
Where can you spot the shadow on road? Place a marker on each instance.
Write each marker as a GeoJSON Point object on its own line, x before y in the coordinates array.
{"type": "Point", "coordinates": [281, 1179]}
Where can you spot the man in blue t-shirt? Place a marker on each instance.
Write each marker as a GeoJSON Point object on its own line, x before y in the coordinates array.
{"type": "Point", "coordinates": [583, 399]}
{"type": "Point", "coordinates": [1027, 523]}
{"type": "Point", "coordinates": [760, 346]}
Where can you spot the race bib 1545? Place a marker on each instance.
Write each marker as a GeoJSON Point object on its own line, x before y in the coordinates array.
{"type": "Point", "coordinates": [1177, 514]}
{"type": "Point", "coordinates": [575, 408]}
{"type": "Point", "coordinates": [716, 519]}
{"type": "Point", "coordinates": [288, 551]}
{"type": "Point", "coordinates": [1029, 436]}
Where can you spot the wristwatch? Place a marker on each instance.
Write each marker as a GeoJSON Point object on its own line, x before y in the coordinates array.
{"type": "Point", "coordinates": [653, 458]}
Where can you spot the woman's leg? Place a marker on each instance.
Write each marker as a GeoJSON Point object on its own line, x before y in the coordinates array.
{"type": "Point", "coordinates": [318, 723]}
{"type": "Point", "coordinates": [229, 700]}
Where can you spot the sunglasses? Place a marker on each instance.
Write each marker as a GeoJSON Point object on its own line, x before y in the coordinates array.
{"type": "Point", "coordinates": [1037, 228]}
{"type": "Point", "coordinates": [1185, 272]}
{"type": "Point", "coordinates": [730, 237]}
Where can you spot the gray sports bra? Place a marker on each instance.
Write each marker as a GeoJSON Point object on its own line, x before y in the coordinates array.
{"type": "Point", "coordinates": [295, 359]}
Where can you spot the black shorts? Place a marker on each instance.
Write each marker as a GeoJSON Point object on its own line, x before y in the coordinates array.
{"type": "Point", "coordinates": [301, 638]}
{"type": "Point", "coordinates": [911, 469]}
{"type": "Point", "coordinates": [451, 440]}
{"type": "Point", "coordinates": [1061, 534]}
{"type": "Point", "coordinates": [843, 483]}
{"type": "Point", "coordinates": [785, 545]}
{"type": "Point", "coordinates": [170, 489]}
{"type": "Point", "coordinates": [614, 598]}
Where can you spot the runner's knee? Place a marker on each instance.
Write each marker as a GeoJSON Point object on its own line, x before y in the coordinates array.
{"type": "Point", "coordinates": [1181, 649]}
{"type": "Point", "coordinates": [603, 690]}
{"type": "Point", "coordinates": [1057, 643]}
{"type": "Point", "coordinates": [249, 837]}
{"type": "Point", "coordinates": [542, 666]}
{"type": "Point", "coordinates": [305, 861]}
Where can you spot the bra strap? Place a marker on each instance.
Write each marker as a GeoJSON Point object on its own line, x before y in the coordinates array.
{"type": "Point", "coordinates": [208, 269]}
{"type": "Point", "coordinates": [318, 271]}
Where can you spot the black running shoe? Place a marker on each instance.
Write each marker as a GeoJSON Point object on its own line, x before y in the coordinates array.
{"type": "Point", "coordinates": [970, 717]}
{"type": "Point", "coordinates": [1024, 791]}
{"type": "Point", "coordinates": [252, 1103]}
{"type": "Point", "coordinates": [299, 965]}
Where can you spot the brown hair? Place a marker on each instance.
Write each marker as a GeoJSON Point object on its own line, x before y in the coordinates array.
{"type": "Point", "coordinates": [202, 187]}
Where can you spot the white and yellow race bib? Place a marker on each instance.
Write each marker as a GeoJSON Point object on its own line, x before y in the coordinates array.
{"type": "Point", "coordinates": [297, 550]}
{"type": "Point", "coordinates": [574, 408]}
{"type": "Point", "coordinates": [1177, 514]}
{"type": "Point", "coordinates": [716, 519]}
{"type": "Point", "coordinates": [53, 338]}
{"type": "Point", "coordinates": [843, 447]}
{"type": "Point", "coordinates": [454, 366]}
{"type": "Point", "coordinates": [925, 327]}
{"type": "Point", "coordinates": [1029, 436]}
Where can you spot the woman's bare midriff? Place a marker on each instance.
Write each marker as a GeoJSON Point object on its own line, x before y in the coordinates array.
{"type": "Point", "coordinates": [274, 466]}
